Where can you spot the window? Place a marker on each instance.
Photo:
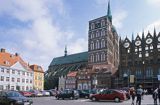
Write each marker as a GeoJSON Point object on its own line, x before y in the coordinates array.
{"type": "Point", "coordinates": [138, 73]}
{"type": "Point", "coordinates": [97, 44]}
{"type": "Point", "coordinates": [8, 71]}
{"type": "Point", "coordinates": [92, 26]}
{"type": "Point", "coordinates": [97, 57]}
{"type": "Point", "coordinates": [7, 78]}
{"type": "Point", "coordinates": [12, 87]}
{"type": "Point", "coordinates": [92, 58]}
{"type": "Point", "coordinates": [1, 87]}
{"type": "Point", "coordinates": [13, 71]}
{"type": "Point", "coordinates": [146, 48]}
{"type": "Point", "coordinates": [158, 46]}
{"type": "Point", "coordinates": [30, 81]}
{"type": "Point", "coordinates": [23, 80]}
{"type": "Point", "coordinates": [2, 78]}
{"type": "Point", "coordinates": [31, 74]}
{"type": "Point", "coordinates": [18, 79]}
{"type": "Point", "coordinates": [149, 72]}
{"type": "Point", "coordinates": [140, 55]}
{"type": "Point", "coordinates": [23, 73]}
{"type": "Point", "coordinates": [146, 54]}
{"type": "Point", "coordinates": [103, 32]}
{"type": "Point", "coordinates": [151, 47]}
{"type": "Point", "coordinates": [19, 72]}
{"type": "Point", "coordinates": [136, 49]}
{"type": "Point", "coordinates": [26, 80]}
{"type": "Point", "coordinates": [103, 22]}
{"type": "Point", "coordinates": [103, 56]}
{"type": "Point", "coordinates": [27, 74]}
{"type": "Point", "coordinates": [102, 43]}
{"type": "Point", "coordinates": [12, 79]}
{"type": "Point", "coordinates": [2, 70]}
{"type": "Point", "coordinates": [140, 49]}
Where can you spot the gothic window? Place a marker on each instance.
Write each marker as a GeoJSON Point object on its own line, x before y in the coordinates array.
{"type": "Point", "coordinates": [97, 44]}
{"type": "Point", "coordinates": [103, 56]}
{"type": "Point", "coordinates": [102, 43]}
{"type": "Point", "coordinates": [136, 49]}
{"type": "Point", "coordinates": [140, 55]}
{"type": "Point", "coordinates": [103, 22]}
{"type": "Point", "coordinates": [146, 48]}
{"type": "Point", "coordinates": [140, 49]}
{"type": "Point", "coordinates": [92, 58]}
{"type": "Point", "coordinates": [92, 45]}
{"type": "Point", "coordinates": [151, 47]}
{"type": "Point", "coordinates": [92, 26]}
{"type": "Point", "coordinates": [97, 57]}
{"type": "Point", "coordinates": [146, 54]}
{"type": "Point", "coordinates": [149, 72]}
{"type": "Point", "coordinates": [138, 73]}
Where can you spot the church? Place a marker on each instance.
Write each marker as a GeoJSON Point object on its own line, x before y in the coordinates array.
{"type": "Point", "coordinates": [110, 62]}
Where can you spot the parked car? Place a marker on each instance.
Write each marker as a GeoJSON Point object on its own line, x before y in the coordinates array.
{"type": "Point", "coordinates": [71, 94]}
{"type": "Point", "coordinates": [45, 93]}
{"type": "Point", "coordinates": [13, 98]}
{"type": "Point", "coordinates": [109, 94]}
{"type": "Point", "coordinates": [52, 92]}
{"type": "Point", "coordinates": [26, 93]}
{"type": "Point", "coordinates": [83, 94]}
{"type": "Point", "coordinates": [36, 93]}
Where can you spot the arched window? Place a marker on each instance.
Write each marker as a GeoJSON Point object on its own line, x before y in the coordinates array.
{"type": "Point", "coordinates": [103, 22]}
{"type": "Point", "coordinates": [92, 58]}
{"type": "Point", "coordinates": [97, 57]}
{"type": "Point", "coordinates": [97, 44]}
{"type": "Point", "coordinates": [102, 43]}
{"type": "Point", "coordinates": [103, 56]}
{"type": "Point", "coordinates": [92, 45]}
{"type": "Point", "coordinates": [92, 26]}
{"type": "Point", "coordinates": [149, 72]}
{"type": "Point", "coordinates": [103, 32]}
{"type": "Point", "coordinates": [138, 73]}
{"type": "Point", "coordinates": [151, 46]}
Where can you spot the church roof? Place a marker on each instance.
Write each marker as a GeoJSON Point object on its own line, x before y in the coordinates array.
{"type": "Point", "coordinates": [69, 59]}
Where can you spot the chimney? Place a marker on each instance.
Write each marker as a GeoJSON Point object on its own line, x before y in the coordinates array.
{"type": "Point", "coordinates": [3, 50]}
{"type": "Point", "coordinates": [16, 54]}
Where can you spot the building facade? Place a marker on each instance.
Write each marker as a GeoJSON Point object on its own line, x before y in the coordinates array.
{"type": "Point", "coordinates": [71, 80]}
{"type": "Point", "coordinates": [103, 48]}
{"type": "Point", "coordinates": [61, 83]}
{"type": "Point", "coordinates": [38, 83]}
{"type": "Point", "coordinates": [140, 61]}
{"type": "Point", "coordinates": [15, 74]}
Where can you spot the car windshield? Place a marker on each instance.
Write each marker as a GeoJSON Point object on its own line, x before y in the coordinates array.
{"type": "Point", "coordinates": [14, 94]}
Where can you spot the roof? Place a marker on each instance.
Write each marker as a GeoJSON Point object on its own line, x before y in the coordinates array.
{"type": "Point", "coordinates": [69, 59]}
{"type": "Point", "coordinates": [72, 74]}
{"type": "Point", "coordinates": [36, 68]}
{"type": "Point", "coordinates": [8, 60]}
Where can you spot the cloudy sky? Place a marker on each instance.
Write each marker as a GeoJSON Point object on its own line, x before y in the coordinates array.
{"type": "Point", "coordinates": [39, 29]}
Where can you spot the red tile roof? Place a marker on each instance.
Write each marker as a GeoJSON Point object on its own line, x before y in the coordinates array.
{"type": "Point", "coordinates": [72, 74]}
{"type": "Point", "coordinates": [8, 60]}
{"type": "Point", "coordinates": [36, 68]}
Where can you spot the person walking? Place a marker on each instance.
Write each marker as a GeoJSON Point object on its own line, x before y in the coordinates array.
{"type": "Point", "coordinates": [133, 94]}
{"type": "Point", "coordinates": [155, 96]}
{"type": "Point", "coordinates": [139, 92]}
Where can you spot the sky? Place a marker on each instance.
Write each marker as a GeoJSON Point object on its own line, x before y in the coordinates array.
{"type": "Point", "coordinates": [39, 30]}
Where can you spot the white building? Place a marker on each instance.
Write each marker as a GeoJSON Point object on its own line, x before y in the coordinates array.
{"type": "Point", "coordinates": [61, 83]}
{"type": "Point", "coordinates": [15, 74]}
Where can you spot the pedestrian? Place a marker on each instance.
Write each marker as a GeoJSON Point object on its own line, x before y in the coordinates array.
{"type": "Point", "coordinates": [155, 96]}
{"type": "Point", "coordinates": [159, 95]}
{"type": "Point", "coordinates": [133, 94]}
{"type": "Point", "coordinates": [139, 95]}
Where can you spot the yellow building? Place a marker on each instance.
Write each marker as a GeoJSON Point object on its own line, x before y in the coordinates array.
{"type": "Point", "coordinates": [38, 81]}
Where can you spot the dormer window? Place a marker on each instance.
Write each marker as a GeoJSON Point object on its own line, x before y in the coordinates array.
{"type": "Point", "coordinates": [6, 62]}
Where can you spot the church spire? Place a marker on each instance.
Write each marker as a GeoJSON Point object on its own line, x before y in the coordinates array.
{"type": "Point", "coordinates": [154, 33]}
{"type": "Point", "coordinates": [65, 51]}
{"type": "Point", "coordinates": [132, 36]}
{"type": "Point", "coordinates": [109, 15]}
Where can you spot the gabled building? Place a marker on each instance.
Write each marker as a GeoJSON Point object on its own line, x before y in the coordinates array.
{"type": "Point", "coordinates": [71, 80]}
{"type": "Point", "coordinates": [140, 61]}
{"type": "Point", "coordinates": [38, 83]}
{"type": "Point", "coordinates": [15, 73]}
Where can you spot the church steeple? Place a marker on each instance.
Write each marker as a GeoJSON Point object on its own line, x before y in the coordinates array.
{"type": "Point", "coordinates": [154, 33]}
{"type": "Point", "coordinates": [132, 36]}
{"type": "Point", "coordinates": [65, 51]}
{"type": "Point", "coordinates": [109, 15]}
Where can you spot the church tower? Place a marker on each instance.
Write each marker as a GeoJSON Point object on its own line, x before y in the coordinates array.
{"type": "Point", "coordinates": [103, 46]}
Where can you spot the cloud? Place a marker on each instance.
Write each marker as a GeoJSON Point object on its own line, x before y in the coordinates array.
{"type": "Point", "coordinates": [151, 27]}
{"type": "Point", "coordinates": [119, 17]}
{"type": "Point", "coordinates": [35, 34]}
{"type": "Point", "coordinates": [154, 2]}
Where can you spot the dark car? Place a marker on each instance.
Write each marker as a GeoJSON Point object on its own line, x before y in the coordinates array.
{"type": "Point", "coordinates": [83, 94]}
{"type": "Point", "coordinates": [71, 94]}
{"type": "Point", "coordinates": [13, 98]}
{"type": "Point", "coordinates": [110, 95]}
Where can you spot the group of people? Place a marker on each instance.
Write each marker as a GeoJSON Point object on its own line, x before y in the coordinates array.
{"type": "Point", "coordinates": [139, 94]}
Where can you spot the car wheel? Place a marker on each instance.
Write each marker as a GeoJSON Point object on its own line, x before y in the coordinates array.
{"type": "Point", "coordinates": [11, 103]}
{"type": "Point", "coordinates": [117, 99]}
{"type": "Point", "coordinates": [94, 99]}
{"type": "Point", "coordinates": [71, 98]}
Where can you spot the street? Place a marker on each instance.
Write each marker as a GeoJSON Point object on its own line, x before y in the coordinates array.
{"type": "Point", "coordinates": [52, 101]}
